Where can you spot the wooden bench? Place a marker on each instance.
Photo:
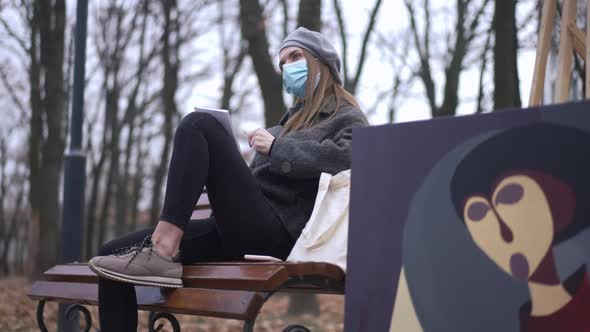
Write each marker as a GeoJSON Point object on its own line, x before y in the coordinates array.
{"type": "Point", "coordinates": [235, 290]}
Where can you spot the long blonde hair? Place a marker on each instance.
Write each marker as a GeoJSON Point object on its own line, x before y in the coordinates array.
{"type": "Point", "coordinates": [316, 97]}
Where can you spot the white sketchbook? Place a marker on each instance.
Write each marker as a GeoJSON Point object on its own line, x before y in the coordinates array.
{"type": "Point", "coordinates": [223, 117]}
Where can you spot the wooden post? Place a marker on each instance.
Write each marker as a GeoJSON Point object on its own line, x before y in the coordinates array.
{"type": "Point", "coordinates": [543, 46]}
{"type": "Point", "coordinates": [579, 39]}
{"type": "Point", "coordinates": [564, 60]}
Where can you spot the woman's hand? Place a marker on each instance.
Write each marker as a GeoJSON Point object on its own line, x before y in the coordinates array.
{"type": "Point", "coordinates": [261, 140]}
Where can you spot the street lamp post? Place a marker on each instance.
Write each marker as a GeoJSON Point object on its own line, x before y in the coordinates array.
{"type": "Point", "coordinates": [75, 164]}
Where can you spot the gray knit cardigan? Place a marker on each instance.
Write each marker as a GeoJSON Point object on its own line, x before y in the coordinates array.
{"type": "Point", "coordinates": [289, 177]}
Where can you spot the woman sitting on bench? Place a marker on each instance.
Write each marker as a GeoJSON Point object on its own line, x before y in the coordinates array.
{"type": "Point", "coordinates": [260, 209]}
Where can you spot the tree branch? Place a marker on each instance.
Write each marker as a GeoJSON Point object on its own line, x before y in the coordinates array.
{"type": "Point", "coordinates": [427, 29]}
{"type": "Point", "coordinates": [342, 29]}
{"type": "Point", "coordinates": [424, 71]}
{"type": "Point", "coordinates": [482, 69]}
{"type": "Point", "coordinates": [11, 91]}
{"type": "Point", "coordinates": [453, 69]}
{"type": "Point", "coordinates": [363, 55]}
{"type": "Point", "coordinates": [16, 51]}
{"type": "Point", "coordinates": [21, 42]}
{"type": "Point", "coordinates": [470, 33]}
{"type": "Point", "coordinates": [285, 6]}
{"type": "Point", "coordinates": [414, 29]}
{"type": "Point", "coordinates": [229, 78]}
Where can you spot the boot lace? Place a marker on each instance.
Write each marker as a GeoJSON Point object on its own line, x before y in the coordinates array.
{"type": "Point", "coordinates": [136, 249]}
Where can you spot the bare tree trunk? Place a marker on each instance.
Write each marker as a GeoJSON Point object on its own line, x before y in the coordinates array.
{"type": "Point", "coordinates": [171, 59]}
{"type": "Point", "coordinates": [104, 210]}
{"type": "Point", "coordinates": [35, 142]}
{"type": "Point", "coordinates": [91, 213]}
{"type": "Point", "coordinates": [482, 70]}
{"type": "Point", "coordinates": [506, 83]}
{"type": "Point", "coordinates": [160, 172]}
{"type": "Point", "coordinates": [138, 177]}
{"type": "Point", "coordinates": [22, 245]}
{"type": "Point", "coordinates": [228, 81]}
{"type": "Point", "coordinates": [310, 14]}
{"type": "Point", "coordinates": [3, 198]}
{"type": "Point", "coordinates": [231, 66]}
{"type": "Point", "coordinates": [12, 234]}
{"type": "Point", "coordinates": [112, 110]}
{"type": "Point", "coordinates": [454, 69]}
{"type": "Point", "coordinates": [254, 32]}
{"type": "Point", "coordinates": [285, 7]}
{"type": "Point", "coordinates": [122, 204]}
{"type": "Point", "coordinates": [50, 17]}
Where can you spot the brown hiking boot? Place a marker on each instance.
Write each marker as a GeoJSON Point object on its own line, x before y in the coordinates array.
{"type": "Point", "coordinates": [140, 265]}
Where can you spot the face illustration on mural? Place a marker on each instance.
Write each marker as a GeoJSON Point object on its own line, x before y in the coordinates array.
{"type": "Point", "coordinates": [519, 193]}
{"type": "Point", "coordinates": [501, 226]}
{"type": "Point", "coordinates": [519, 206]}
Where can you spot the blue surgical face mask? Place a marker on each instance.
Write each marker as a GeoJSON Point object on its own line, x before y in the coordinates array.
{"type": "Point", "coordinates": [295, 78]}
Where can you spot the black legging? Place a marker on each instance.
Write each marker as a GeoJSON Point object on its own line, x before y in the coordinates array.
{"type": "Point", "coordinates": [244, 223]}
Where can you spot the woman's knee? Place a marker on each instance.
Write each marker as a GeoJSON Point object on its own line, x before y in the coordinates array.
{"type": "Point", "coordinates": [197, 120]}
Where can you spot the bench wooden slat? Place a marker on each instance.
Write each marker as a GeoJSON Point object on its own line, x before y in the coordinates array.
{"type": "Point", "coordinates": [260, 276]}
{"type": "Point", "coordinates": [295, 269]}
{"type": "Point", "coordinates": [232, 304]}
{"type": "Point", "coordinates": [220, 277]}
{"type": "Point", "coordinates": [79, 273]}
{"type": "Point", "coordinates": [245, 277]}
{"type": "Point", "coordinates": [325, 270]}
{"type": "Point", "coordinates": [243, 305]}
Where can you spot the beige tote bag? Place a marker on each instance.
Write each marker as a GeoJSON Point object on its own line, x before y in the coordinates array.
{"type": "Point", "coordinates": [325, 236]}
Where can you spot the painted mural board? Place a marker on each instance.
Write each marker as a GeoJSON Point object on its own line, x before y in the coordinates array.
{"type": "Point", "coordinates": [474, 223]}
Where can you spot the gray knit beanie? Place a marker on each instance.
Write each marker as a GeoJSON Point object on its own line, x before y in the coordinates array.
{"type": "Point", "coordinates": [318, 45]}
